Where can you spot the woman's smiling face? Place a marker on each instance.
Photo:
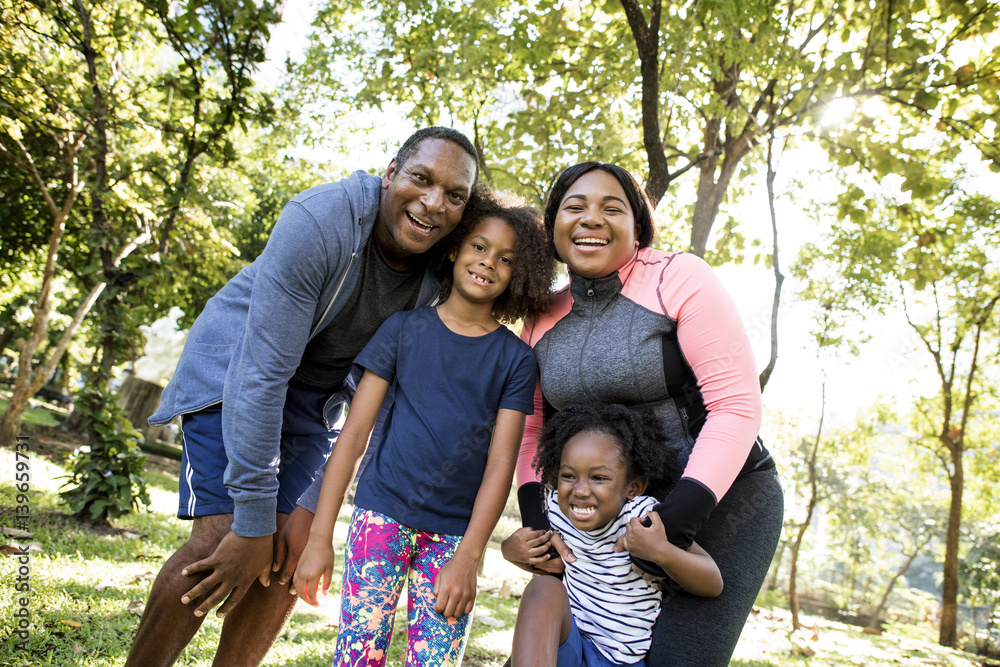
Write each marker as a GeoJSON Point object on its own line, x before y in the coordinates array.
{"type": "Point", "coordinates": [595, 231]}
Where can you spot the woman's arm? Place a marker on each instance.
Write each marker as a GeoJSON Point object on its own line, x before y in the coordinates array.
{"type": "Point", "coordinates": [455, 585]}
{"type": "Point", "coordinates": [715, 345]}
{"type": "Point", "coordinates": [315, 567]}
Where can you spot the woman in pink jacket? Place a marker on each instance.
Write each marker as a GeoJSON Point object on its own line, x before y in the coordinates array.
{"type": "Point", "coordinates": [657, 330]}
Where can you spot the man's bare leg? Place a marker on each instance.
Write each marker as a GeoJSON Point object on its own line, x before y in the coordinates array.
{"type": "Point", "coordinates": [167, 626]}
{"type": "Point", "coordinates": [255, 623]}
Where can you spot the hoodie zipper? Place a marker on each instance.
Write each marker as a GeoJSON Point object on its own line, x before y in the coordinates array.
{"type": "Point", "coordinates": [336, 293]}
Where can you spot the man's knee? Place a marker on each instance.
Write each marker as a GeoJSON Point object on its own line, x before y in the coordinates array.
{"type": "Point", "coordinates": [207, 532]}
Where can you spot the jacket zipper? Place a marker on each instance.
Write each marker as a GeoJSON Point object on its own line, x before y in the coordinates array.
{"type": "Point", "coordinates": [590, 330]}
{"type": "Point", "coordinates": [336, 293]}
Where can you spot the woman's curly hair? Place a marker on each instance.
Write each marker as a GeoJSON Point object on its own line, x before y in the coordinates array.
{"type": "Point", "coordinates": [639, 434]}
{"type": "Point", "coordinates": [528, 293]}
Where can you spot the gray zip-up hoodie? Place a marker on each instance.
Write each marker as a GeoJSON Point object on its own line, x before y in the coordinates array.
{"type": "Point", "coordinates": [249, 339]}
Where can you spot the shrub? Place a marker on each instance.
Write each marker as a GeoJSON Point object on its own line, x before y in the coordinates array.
{"type": "Point", "coordinates": [105, 478]}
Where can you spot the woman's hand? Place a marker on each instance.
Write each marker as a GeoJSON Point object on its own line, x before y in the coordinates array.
{"type": "Point", "coordinates": [529, 550]}
{"type": "Point", "coordinates": [526, 546]}
{"type": "Point", "coordinates": [315, 569]}
{"type": "Point", "coordinates": [455, 586]}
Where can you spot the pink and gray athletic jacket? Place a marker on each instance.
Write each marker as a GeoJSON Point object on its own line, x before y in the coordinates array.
{"type": "Point", "coordinates": [661, 333]}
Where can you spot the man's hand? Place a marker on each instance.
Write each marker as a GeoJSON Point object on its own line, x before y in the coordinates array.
{"type": "Point", "coordinates": [289, 543]}
{"type": "Point", "coordinates": [234, 564]}
{"type": "Point", "coordinates": [455, 586]}
{"type": "Point", "coordinates": [315, 569]}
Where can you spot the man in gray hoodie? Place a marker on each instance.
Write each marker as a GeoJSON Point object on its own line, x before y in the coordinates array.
{"type": "Point", "coordinates": [265, 373]}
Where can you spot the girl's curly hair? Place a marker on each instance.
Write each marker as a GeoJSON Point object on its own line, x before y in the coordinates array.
{"type": "Point", "coordinates": [639, 434]}
{"type": "Point", "coordinates": [528, 293]}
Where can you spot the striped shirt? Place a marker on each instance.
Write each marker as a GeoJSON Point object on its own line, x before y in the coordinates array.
{"type": "Point", "coordinates": [613, 606]}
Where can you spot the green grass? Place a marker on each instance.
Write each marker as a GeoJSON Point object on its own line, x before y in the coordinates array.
{"type": "Point", "coordinates": [84, 585]}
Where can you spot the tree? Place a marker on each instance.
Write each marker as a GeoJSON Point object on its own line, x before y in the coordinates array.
{"type": "Point", "coordinates": [662, 88]}
{"type": "Point", "coordinates": [34, 121]}
{"type": "Point", "coordinates": [687, 85]}
{"type": "Point", "coordinates": [823, 464]}
{"type": "Point", "coordinates": [89, 117]}
{"type": "Point", "coordinates": [931, 258]}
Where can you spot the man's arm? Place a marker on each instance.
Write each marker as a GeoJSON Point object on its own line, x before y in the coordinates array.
{"type": "Point", "coordinates": [455, 585]}
{"type": "Point", "coordinates": [301, 259]}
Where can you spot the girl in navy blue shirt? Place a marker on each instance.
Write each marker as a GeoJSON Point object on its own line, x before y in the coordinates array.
{"type": "Point", "coordinates": [429, 499]}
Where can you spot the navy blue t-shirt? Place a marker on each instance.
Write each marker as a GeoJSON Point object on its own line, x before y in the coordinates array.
{"type": "Point", "coordinates": [429, 464]}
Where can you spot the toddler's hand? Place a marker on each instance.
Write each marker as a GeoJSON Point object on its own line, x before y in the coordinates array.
{"type": "Point", "coordinates": [646, 542]}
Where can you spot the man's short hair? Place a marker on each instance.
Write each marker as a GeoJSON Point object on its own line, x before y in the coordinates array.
{"type": "Point", "coordinates": [411, 145]}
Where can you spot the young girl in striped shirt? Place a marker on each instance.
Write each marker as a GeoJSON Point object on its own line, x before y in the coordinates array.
{"type": "Point", "coordinates": [597, 461]}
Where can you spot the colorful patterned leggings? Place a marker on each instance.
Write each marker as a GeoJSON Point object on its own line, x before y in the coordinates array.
{"type": "Point", "coordinates": [381, 556]}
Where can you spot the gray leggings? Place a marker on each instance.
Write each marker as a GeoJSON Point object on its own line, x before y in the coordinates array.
{"type": "Point", "coordinates": [741, 535]}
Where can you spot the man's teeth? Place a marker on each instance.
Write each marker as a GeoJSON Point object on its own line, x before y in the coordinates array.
{"type": "Point", "coordinates": [591, 241]}
{"type": "Point", "coordinates": [420, 223]}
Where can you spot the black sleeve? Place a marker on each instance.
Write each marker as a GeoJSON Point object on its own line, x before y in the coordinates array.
{"type": "Point", "coordinates": [531, 501]}
{"type": "Point", "coordinates": [684, 511]}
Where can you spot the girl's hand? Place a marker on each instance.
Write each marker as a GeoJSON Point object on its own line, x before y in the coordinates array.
{"type": "Point", "coordinates": [315, 569]}
{"type": "Point", "coordinates": [455, 586]}
{"type": "Point", "coordinates": [646, 542]}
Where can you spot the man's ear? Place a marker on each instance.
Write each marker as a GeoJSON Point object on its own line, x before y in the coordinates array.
{"type": "Point", "coordinates": [636, 487]}
{"type": "Point", "coordinates": [390, 173]}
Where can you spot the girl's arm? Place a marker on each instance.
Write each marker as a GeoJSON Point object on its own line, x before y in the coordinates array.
{"type": "Point", "coordinates": [694, 569]}
{"type": "Point", "coordinates": [316, 564]}
{"type": "Point", "coordinates": [455, 585]}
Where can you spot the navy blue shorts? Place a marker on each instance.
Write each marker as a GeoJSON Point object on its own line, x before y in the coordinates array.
{"type": "Point", "coordinates": [579, 651]}
{"type": "Point", "coordinates": [305, 446]}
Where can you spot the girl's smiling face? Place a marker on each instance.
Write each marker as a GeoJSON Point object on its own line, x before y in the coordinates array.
{"type": "Point", "coordinates": [595, 230]}
{"type": "Point", "coordinates": [484, 262]}
{"type": "Point", "coordinates": [593, 483]}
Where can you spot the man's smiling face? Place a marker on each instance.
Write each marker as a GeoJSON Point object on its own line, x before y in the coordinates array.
{"type": "Point", "coordinates": [423, 200]}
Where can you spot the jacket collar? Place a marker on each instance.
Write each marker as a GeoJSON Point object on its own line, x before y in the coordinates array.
{"type": "Point", "coordinates": [601, 291]}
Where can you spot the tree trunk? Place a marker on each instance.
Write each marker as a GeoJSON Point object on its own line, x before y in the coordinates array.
{"type": "Point", "coordinates": [779, 278]}
{"type": "Point", "coordinates": [793, 568]}
{"type": "Point", "coordinates": [29, 380]}
{"type": "Point", "coordinates": [140, 399]}
{"type": "Point", "coordinates": [11, 424]}
{"type": "Point", "coordinates": [949, 587]}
